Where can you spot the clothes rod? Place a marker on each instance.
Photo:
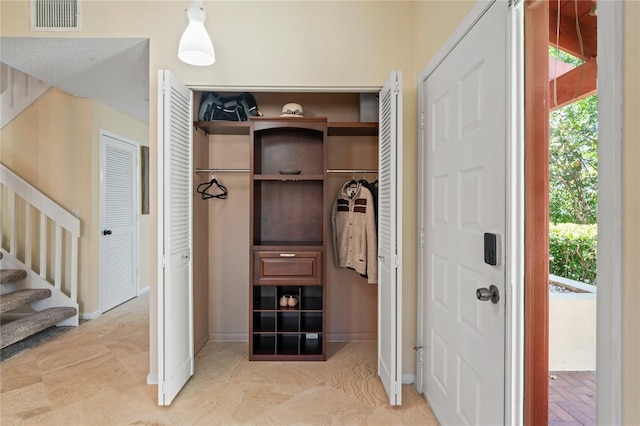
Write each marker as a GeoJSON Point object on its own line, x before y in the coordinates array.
{"type": "Point", "coordinates": [352, 171]}
{"type": "Point", "coordinates": [222, 170]}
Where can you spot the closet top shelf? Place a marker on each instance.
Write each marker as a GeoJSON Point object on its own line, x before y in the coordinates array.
{"type": "Point", "coordinates": [333, 128]}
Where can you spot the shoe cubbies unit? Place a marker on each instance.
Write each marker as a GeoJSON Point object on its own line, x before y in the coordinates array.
{"type": "Point", "coordinates": [288, 234]}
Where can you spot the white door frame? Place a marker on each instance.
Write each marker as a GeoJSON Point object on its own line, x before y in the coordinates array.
{"type": "Point", "coordinates": [514, 238]}
{"type": "Point", "coordinates": [610, 208]}
{"type": "Point", "coordinates": [136, 183]}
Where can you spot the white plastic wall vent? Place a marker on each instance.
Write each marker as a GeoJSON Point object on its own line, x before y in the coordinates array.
{"type": "Point", "coordinates": [55, 15]}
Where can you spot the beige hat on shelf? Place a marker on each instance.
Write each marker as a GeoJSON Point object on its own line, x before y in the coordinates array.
{"type": "Point", "coordinates": [292, 110]}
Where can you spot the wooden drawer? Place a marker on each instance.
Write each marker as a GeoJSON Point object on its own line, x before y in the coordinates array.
{"type": "Point", "coordinates": [287, 267]}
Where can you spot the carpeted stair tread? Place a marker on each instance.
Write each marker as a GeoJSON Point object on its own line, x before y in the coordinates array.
{"type": "Point", "coordinates": [11, 275]}
{"type": "Point", "coordinates": [19, 329]}
{"type": "Point", "coordinates": [9, 301]}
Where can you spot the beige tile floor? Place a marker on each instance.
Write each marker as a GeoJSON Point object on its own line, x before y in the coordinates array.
{"type": "Point", "coordinates": [96, 374]}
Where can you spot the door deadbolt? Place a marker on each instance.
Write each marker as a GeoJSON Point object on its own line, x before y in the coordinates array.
{"type": "Point", "coordinates": [492, 293]}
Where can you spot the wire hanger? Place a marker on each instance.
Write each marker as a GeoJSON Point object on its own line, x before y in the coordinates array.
{"type": "Point", "coordinates": [353, 181]}
{"type": "Point", "coordinates": [203, 189]}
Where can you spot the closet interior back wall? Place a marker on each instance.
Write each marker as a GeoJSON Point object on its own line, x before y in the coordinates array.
{"type": "Point", "coordinates": [229, 241]}
{"type": "Point", "coordinates": [351, 304]}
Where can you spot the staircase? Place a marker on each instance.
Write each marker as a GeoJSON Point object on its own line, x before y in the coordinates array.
{"type": "Point", "coordinates": [38, 261]}
{"type": "Point", "coordinates": [17, 91]}
{"type": "Point", "coordinates": [32, 323]}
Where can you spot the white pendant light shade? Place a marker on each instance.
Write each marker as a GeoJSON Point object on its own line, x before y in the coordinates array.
{"type": "Point", "coordinates": [195, 46]}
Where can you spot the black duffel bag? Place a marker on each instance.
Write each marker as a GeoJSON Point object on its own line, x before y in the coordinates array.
{"type": "Point", "coordinates": [229, 108]}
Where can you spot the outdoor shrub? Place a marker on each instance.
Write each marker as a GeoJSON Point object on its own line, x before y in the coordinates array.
{"type": "Point", "coordinates": [573, 248]}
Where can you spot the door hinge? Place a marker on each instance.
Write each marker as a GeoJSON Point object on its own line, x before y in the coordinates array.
{"type": "Point", "coordinates": [421, 237]}
{"type": "Point", "coordinates": [164, 387]}
{"type": "Point", "coordinates": [395, 261]}
{"type": "Point", "coordinates": [398, 387]}
{"type": "Point", "coordinates": [396, 87]}
{"type": "Point", "coordinates": [163, 261]}
{"type": "Point", "coordinates": [422, 120]}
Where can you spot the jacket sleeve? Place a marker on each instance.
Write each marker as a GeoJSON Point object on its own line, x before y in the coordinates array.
{"type": "Point", "coordinates": [372, 242]}
{"type": "Point", "coordinates": [334, 234]}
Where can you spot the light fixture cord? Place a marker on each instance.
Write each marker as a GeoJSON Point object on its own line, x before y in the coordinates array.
{"type": "Point", "coordinates": [575, 3]}
{"type": "Point", "coordinates": [555, 63]}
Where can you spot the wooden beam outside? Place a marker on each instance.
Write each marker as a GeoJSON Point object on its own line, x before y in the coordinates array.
{"type": "Point", "coordinates": [536, 264]}
{"type": "Point", "coordinates": [574, 85]}
{"type": "Point", "coordinates": [568, 40]}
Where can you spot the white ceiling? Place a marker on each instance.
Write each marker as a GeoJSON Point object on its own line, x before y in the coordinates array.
{"type": "Point", "coordinates": [114, 71]}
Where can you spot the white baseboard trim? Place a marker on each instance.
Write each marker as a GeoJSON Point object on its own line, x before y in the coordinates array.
{"type": "Point", "coordinates": [352, 337]}
{"type": "Point", "coordinates": [143, 291]}
{"type": "Point", "coordinates": [152, 379]}
{"type": "Point", "coordinates": [90, 316]}
{"type": "Point", "coordinates": [408, 379]}
{"type": "Point", "coordinates": [229, 337]}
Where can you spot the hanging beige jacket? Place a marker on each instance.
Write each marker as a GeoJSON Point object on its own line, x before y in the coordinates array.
{"type": "Point", "coordinates": [355, 243]}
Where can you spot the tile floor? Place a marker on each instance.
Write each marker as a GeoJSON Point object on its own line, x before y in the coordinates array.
{"type": "Point", "coordinates": [572, 398]}
{"type": "Point", "coordinates": [96, 374]}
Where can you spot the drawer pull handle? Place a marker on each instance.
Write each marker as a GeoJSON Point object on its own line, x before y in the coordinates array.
{"type": "Point", "coordinates": [287, 255]}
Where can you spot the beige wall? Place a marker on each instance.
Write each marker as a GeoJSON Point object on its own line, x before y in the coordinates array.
{"type": "Point", "coordinates": [54, 145]}
{"type": "Point", "coordinates": [631, 219]}
{"type": "Point", "coordinates": [434, 22]}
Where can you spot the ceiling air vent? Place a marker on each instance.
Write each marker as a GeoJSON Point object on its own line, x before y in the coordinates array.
{"type": "Point", "coordinates": [55, 15]}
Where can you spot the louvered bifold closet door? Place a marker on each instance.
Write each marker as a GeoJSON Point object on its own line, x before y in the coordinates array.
{"type": "Point", "coordinates": [119, 252]}
{"type": "Point", "coordinates": [175, 290]}
{"type": "Point", "coordinates": [389, 239]}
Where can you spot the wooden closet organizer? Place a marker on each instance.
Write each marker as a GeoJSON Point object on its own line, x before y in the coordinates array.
{"type": "Point", "coordinates": [289, 230]}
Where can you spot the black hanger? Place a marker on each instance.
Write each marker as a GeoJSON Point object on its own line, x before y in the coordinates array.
{"type": "Point", "coordinates": [353, 182]}
{"type": "Point", "coordinates": [203, 189]}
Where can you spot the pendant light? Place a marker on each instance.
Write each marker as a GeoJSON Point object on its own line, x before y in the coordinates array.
{"type": "Point", "coordinates": [195, 46]}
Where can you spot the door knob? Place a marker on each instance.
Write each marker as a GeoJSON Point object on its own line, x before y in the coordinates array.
{"type": "Point", "coordinates": [492, 293]}
{"type": "Point", "coordinates": [106, 232]}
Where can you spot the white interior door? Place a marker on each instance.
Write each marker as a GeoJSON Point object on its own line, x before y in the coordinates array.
{"type": "Point", "coordinates": [118, 220]}
{"type": "Point", "coordinates": [390, 239]}
{"type": "Point", "coordinates": [464, 136]}
{"type": "Point", "coordinates": [175, 239]}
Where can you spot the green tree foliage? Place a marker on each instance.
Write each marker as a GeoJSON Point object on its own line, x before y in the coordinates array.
{"type": "Point", "coordinates": [573, 164]}
{"type": "Point", "coordinates": [573, 157]}
{"type": "Point", "coordinates": [573, 251]}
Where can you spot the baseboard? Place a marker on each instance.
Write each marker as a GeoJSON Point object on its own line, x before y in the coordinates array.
{"type": "Point", "coordinates": [408, 379]}
{"type": "Point", "coordinates": [333, 337]}
{"type": "Point", "coordinates": [152, 379]}
{"type": "Point", "coordinates": [90, 316]}
{"type": "Point", "coordinates": [143, 291]}
{"type": "Point", "coordinates": [352, 337]}
{"type": "Point", "coordinates": [199, 345]}
{"type": "Point", "coordinates": [229, 337]}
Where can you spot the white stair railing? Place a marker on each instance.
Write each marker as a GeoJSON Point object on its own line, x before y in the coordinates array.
{"type": "Point", "coordinates": [22, 200]}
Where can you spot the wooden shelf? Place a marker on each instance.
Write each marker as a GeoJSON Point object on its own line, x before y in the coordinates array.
{"type": "Point", "coordinates": [223, 127]}
{"type": "Point", "coordinates": [242, 127]}
{"type": "Point", "coordinates": [288, 178]}
{"type": "Point", "coordinates": [352, 129]}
